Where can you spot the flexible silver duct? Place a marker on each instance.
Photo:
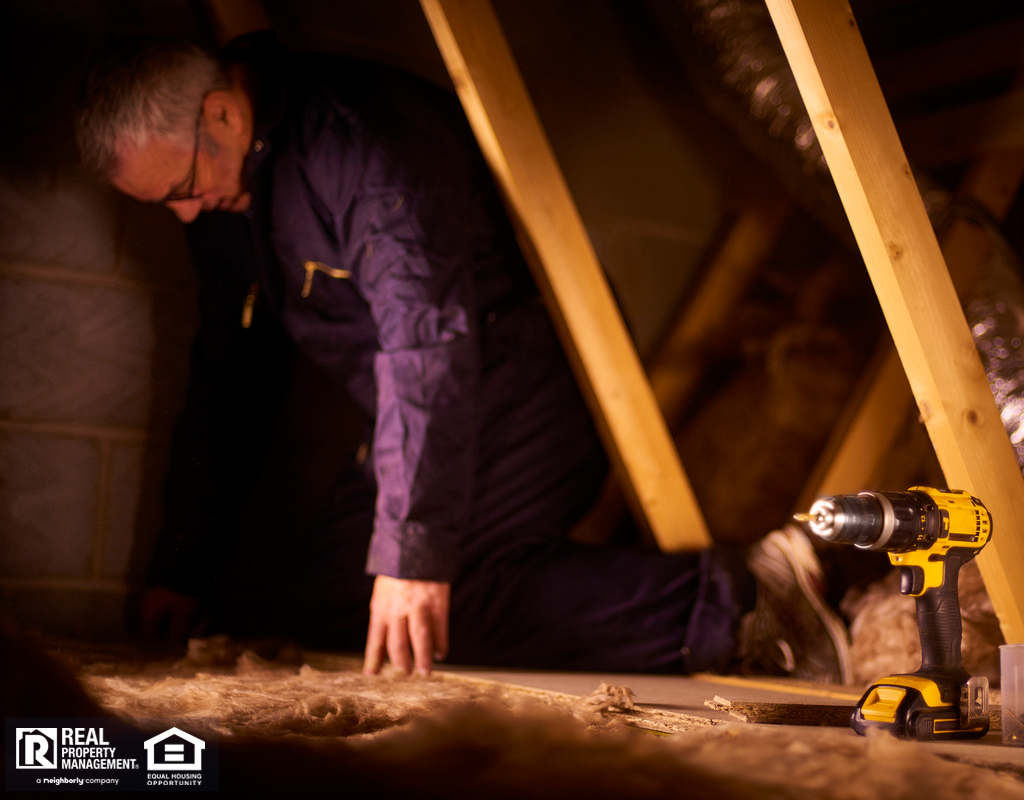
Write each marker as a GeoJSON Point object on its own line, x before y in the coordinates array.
{"type": "Point", "coordinates": [996, 316]}
{"type": "Point", "coordinates": [737, 64]}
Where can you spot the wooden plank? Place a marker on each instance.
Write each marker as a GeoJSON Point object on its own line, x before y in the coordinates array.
{"type": "Point", "coordinates": [878, 411]}
{"type": "Point", "coordinates": [866, 433]}
{"type": "Point", "coordinates": [816, 714]}
{"type": "Point", "coordinates": [233, 18]}
{"type": "Point", "coordinates": [875, 183]}
{"type": "Point", "coordinates": [966, 131]}
{"type": "Point", "coordinates": [782, 685]}
{"type": "Point", "coordinates": [677, 366]}
{"type": "Point", "coordinates": [954, 61]}
{"type": "Point", "coordinates": [565, 266]}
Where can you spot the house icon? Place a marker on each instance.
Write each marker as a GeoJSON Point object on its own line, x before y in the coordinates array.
{"type": "Point", "coordinates": [174, 750]}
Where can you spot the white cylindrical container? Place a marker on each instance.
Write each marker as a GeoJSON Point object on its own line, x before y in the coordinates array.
{"type": "Point", "coordinates": [1011, 683]}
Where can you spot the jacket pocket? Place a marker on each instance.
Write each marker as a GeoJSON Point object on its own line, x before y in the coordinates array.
{"type": "Point", "coordinates": [313, 267]}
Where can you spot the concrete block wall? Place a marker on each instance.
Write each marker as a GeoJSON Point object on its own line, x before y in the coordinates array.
{"type": "Point", "coordinates": [96, 313]}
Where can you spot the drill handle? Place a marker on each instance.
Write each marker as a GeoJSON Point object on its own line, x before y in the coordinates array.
{"type": "Point", "coordinates": [938, 620]}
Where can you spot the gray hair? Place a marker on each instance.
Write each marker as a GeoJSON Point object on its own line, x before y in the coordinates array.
{"type": "Point", "coordinates": [139, 88]}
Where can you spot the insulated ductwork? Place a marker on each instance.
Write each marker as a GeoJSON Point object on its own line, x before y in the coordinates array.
{"type": "Point", "coordinates": [735, 61]}
{"type": "Point", "coordinates": [996, 316]}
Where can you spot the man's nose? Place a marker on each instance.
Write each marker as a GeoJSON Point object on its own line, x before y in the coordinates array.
{"type": "Point", "coordinates": [186, 210]}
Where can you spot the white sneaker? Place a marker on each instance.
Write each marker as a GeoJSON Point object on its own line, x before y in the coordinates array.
{"type": "Point", "coordinates": [791, 630]}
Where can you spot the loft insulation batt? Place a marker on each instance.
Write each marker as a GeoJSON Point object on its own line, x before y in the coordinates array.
{"type": "Point", "coordinates": [451, 737]}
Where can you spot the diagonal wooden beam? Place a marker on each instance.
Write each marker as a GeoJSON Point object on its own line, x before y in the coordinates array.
{"type": "Point", "coordinates": [966, 131]}
{"type": "Point", "coordinates": [902, 255]}
{"type": "Point", "coordinates": [866, 432]}
{"type": "Point", "coordinates": [961, 58]}
{"type": "Point", "coordinates": [232, 18]}
{"type": "Point", "coordinates": [879, 408]}
{"type": "Point", "coordinates": [565, 266]}
{"type": "Point", "coordinates": [681, 358]}
{"type": "Point", "coordinates": [678, 364]}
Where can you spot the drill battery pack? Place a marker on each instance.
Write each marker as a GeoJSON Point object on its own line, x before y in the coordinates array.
{"type": "Point", "coordinates": [927, 708]}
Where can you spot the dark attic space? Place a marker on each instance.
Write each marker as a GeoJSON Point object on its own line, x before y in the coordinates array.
{"type": "Point", "coordinates": [511, 380]}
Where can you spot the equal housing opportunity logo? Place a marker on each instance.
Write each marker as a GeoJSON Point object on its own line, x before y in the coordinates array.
{"type": "Point", "coordinates": [109, 753]}
{"type": "Point", "coordinates": [174, 749]}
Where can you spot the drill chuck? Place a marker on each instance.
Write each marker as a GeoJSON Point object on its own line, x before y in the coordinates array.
{"type": "Point", "coordinates": [865, 520]}
{"type": "Point", "coordinates": [890, 521]}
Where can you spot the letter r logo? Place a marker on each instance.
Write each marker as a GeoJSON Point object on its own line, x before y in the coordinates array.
{"type": "Point", "coordinates": [36, 748]}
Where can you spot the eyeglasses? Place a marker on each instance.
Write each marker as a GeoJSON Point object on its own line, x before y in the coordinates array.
{"type": "Point", "coordinates": [190, 182]}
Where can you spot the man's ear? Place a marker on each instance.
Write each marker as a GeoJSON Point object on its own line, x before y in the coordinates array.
{"type": "Point", "coordinates": [221, 109]}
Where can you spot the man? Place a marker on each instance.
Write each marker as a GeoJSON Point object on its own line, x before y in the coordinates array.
{"type": "Point", "coordinates": [346, 205]}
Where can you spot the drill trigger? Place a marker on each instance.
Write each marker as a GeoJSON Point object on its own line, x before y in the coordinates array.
{"type": "Point", "coordinates": [911, 580]}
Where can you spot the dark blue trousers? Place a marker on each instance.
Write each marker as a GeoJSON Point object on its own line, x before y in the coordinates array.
{"type": "Point", "coordinates": [525, 595]}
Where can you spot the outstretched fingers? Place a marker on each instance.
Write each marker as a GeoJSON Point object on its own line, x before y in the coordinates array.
{"type": "Point", "coordinates": [408, 624]}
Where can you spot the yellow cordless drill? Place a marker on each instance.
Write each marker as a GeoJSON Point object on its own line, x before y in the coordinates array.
{"type": "Point", "coordinates": [929, 534]}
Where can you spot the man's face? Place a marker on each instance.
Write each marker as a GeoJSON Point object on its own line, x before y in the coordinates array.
{"type": "Point", "coordinates": [161, 170]}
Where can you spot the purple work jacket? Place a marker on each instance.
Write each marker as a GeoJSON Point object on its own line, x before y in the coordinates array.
{"type": "Point", "coordinates": [379, 245]}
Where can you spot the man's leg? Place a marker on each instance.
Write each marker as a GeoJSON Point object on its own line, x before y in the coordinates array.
{"type": "Point", "coordinates": [525, 594]}
{"type": "Point", "coordinates": [572, 606]}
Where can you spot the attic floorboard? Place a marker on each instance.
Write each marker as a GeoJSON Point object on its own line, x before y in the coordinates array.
{"type": "Point", "coordinates": [688, 695]}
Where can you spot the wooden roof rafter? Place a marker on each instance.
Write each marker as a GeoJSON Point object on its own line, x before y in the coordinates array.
{"type": "Point", "coordinates": [846, 106]}
{"type": "Point", "coordinates": [576, 291]}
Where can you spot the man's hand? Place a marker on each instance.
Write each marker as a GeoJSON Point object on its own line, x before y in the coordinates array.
{"type": "Point", "coordinates": [165, 615]}
{"type": "Point", "coordinates": [404, 614]}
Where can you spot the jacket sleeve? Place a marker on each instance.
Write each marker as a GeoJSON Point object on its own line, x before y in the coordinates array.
{"type": "Point", "coordinates": [236, 384]}
{"type": "Point", "coordinates": [417, 279]}
{"type": "Point", "coordinates": [403, 227]}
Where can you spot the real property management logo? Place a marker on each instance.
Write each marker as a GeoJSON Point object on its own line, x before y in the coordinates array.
{"type": "Point", "coordinates": [67, 748]}
{"type": "Point", "coordinates": [108, 753]}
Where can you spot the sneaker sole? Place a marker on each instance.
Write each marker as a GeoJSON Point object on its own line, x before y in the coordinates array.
{"type": "Point", "coordinates": [833, 625]}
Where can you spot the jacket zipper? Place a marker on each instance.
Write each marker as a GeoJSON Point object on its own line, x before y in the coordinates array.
{"type": "Point", "coordinates": [250, 301]}
{"type": "Point", "coordinates": [312, 267]}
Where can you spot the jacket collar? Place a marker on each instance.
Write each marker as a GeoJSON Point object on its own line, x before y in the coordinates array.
{"type": "Point", "coordinates": [265, 64]}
